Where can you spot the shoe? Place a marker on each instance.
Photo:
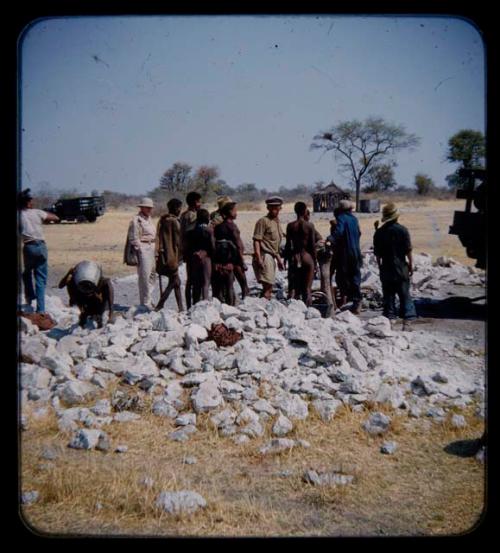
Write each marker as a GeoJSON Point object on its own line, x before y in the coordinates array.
{"type": "Point", "coordinates": [356, 309]}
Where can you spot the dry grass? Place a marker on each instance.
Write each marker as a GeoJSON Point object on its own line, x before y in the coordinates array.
{"type": "Point", "coordinates": [419, 490]}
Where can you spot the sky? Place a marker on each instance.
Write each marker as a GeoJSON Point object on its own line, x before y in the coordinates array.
{"type": "Point", "coordinates": [110, 103]}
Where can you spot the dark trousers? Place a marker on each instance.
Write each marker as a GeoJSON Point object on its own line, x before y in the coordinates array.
{"type": "Point", "coordinates": [400, 288]}
{"type": "Point", "coordinates": [200, 275]}
{"type": "Point", "coordinates": [223, 283]}
{"type": "Point", "coordinates": [348, 279]}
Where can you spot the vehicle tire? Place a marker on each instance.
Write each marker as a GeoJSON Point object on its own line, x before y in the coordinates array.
{"type": "Point", "coordinates": [92, 218]}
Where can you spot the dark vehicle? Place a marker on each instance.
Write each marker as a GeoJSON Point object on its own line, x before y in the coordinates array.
{"type": "Point", "coordinates": [468, 225]}
{"type": "Point", "coordinates": [79, 209]}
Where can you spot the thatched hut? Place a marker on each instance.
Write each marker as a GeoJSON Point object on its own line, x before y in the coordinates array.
{"type": "Point", "coordinates": [328, 198]}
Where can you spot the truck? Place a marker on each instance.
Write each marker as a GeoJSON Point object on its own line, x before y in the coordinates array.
{"type": "Point", "coordinates": [86, 208]}
{"type": "Point", "coordinates": [469, 225]}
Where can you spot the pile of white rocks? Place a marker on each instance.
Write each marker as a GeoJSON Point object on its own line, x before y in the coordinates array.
{"type": "Point", "coordinates": [289, 363]}
{"type": "Point", "coordinates": [428, 277]}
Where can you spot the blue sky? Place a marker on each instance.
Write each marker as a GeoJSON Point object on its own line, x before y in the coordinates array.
{"type": "Point", "coordinates": [112, 102]}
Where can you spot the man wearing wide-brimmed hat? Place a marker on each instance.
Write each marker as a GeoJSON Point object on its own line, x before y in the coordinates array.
{"type": "Point", "coordinates": [345, 242]}
{"type": "Point", "coordinates": [141, 236]}
{"type": "Point", "coordinates": [216, 216]}
{"type": "Point", "coordinates": [392, 248]}
{"type": "Point", "coordinates": [267, 237]}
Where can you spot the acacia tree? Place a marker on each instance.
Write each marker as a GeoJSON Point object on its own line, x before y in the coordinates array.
{"type": "Point", "coordinates": [177, 178]}
{"type": "Point", "coordinates": [206, 180]}
{"type": "Point", "coordinates": [359, 144]}
{"type": "Point", "coordinates": [467, 147]}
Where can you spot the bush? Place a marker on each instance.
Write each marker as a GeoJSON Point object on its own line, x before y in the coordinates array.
{"type": "Point", "coordinates": [424, 184]}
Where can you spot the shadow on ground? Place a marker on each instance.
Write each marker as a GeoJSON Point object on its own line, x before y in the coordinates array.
{"type": "Point", "coordinates": [463, 448]}
{"type": "Point", "coordinates": [456, 307]}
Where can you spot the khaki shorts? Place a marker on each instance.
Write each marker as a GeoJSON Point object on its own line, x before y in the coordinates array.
{"type": "Point", "coordinates": [268, 273]}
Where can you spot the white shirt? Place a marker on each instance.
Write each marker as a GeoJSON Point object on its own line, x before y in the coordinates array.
{"type": "Point", "coordinates": [31, 224]}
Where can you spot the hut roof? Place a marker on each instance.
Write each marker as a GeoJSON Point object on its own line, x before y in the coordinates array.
{"type": "Point", "coordinates": [331, 188]}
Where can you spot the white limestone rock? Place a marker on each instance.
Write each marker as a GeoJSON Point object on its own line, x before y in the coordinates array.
{"type": "Point", "coordinates": [377, 423]}
{"type": "Point", "coordinates": [207, 397]}
{"type": "Point", "coordinates": [282, 426]}
{"type": "Point", "coordinates": [181, 502]}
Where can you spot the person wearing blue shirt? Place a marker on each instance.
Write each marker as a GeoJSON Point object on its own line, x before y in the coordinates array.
{"type": "Point", "coordinates": [348, 260]}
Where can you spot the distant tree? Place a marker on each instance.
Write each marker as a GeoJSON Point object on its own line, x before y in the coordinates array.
{"type": "Point", "coordinates": [94, 192]}
{"type": "Point", "coordinates": [247, 192]}
{"type": "Point", "coordinates": [424, 184]}
{"type": "Point", "coordinates": [177, 179]}
{"type": "Point", "coordinates": [379, 177]}
{"type": "Point", "coordinates": [225, 189]}
{"type": "Point", "coordinates": [467, 147]}
{"type": "Point", "coordinates": [362, 143]}
{"type": "Point", "coordinates": [206, 181]}
{"type": "Point", "coordinates": [318, 185]}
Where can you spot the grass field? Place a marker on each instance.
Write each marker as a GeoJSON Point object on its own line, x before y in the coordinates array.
{"type": "Point", "coordinates": [419, 490]}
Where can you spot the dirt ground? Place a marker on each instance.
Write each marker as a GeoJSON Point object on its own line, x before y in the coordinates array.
{"type": "Point", "coordinates": [432, 485]}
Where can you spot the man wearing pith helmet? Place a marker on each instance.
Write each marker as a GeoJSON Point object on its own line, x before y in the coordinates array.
{"type": "Point", "coordinates": [142, 235]}
{"type": "Point", "coordinates": [267, 237]}
{"type": "Point", "coordinates": [392, 248]}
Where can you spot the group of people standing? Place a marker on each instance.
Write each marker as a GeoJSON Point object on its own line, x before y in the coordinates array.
{"type": "Point", "coordinates": [211, 247]}
{"type": "Point", "coordinates": [208, 243]}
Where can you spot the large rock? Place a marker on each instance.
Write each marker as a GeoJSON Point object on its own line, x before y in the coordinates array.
{"type": "Point", "coordinates": [71, 346]}
{"type": "Point", "coordinates": [74, 392]}
{"type": "Point", "coordinates": [205, 314]}
{"type": "Point", "coordinates": [164, 408]}
{"type": "Point", "coordinates": [292, 406]}
{"type": "Point", "coordinates": [170, 340]}
{"type": "Point", "coordinates": [326, 478]}
{"type": "Point", "coordinates": [326, 408]}
{"type": "Point", "coordinates": [207, 397]}
{"type": "Point", "coordinates": [423, 386]}
{"type": "Point", "coordinates": [282, 426]}
{"type": "Point", "coordinates": [226, 417]}
{"type": "Point", "coordinates": [59, 364]}
{"type": "Point", "coordinates": [143, 367]}
{"type": "Point", "coordinates": [378, 423]}
{"type": "Point", "coordinates": [195, 334]}
{"type": "Point", "coordinates": [34, 377]}
{"type": "Point", "coordinates": [380, 327]}
{"type": "Point", "coordinates": [88, 439]}
{"type": "Point", "coordinates": [32, 350]}
{"type": "Point", "coordinates": [389, 395]}
{"type": "Point", "coordinates": [84, 370]}
{"type": "Point", "coordinates": [180, 503]}
{"type": "Point", "coordinates": [253, 429]}
{"type": "Point", "coordinates": [146, 344]}
{"type": "Point", "coordinates": [277, 445]}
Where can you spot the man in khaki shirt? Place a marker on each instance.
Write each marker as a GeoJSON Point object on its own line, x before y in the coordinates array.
{"type": "Point", "coordinates": [267, 238]}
